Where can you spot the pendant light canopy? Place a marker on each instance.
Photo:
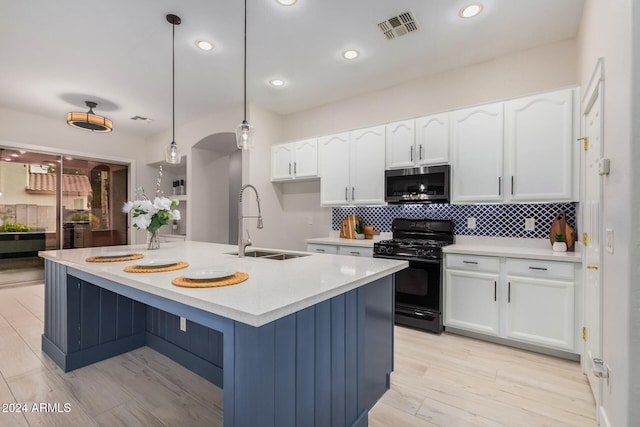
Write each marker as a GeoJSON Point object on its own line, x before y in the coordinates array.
{"type": "Point", "coordinates": [245, 132]}
{"type": "Point", "coordinates": [172, 154]}
{"type": "Point", "coordinates": [89, 120]}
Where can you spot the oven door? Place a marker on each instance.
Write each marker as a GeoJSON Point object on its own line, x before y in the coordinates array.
{"type": "Point", "coordinates": [419, 295]}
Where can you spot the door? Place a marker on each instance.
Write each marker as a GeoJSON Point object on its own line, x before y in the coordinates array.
{"type": "Point", "coordinates": [400, 144]}
{"type": "Point", "coordinates": [305, 164]}
{"type": "Point", "coordinates": [432, 139]}
{"type": "Point", "coordinates": [367, 166]}
{"type": "Point", "coordinates": [592, 218]}
{"type": "Point", "coordinates": [333, 161]}
{"type": "Point", "coordinates": [281, 159]}
{"type": "Point", "coordinates": [539, 137]}
{"type": "Point", "coordinates": [477, 154]}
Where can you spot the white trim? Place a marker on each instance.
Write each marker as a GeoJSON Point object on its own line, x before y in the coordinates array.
{"type": "Point", "coordinates": [596, 77]}
{"type": "Point", "coordinates": [602, 417]}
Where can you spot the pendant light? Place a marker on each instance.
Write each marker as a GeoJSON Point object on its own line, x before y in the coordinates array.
{"type": "Point", "coordinates": [172, 154]}
{"type": "Point", "coordinates": [244, 131]}
{"type": "Point", "coordinates": [89, 120]}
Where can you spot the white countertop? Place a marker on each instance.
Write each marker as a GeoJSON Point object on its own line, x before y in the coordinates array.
{"type": "Point", "coordinates": [274, 289]}
{"type": "Point", "coordinates": [512, 248]}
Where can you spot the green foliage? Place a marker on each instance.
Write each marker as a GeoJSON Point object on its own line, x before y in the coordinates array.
{"type": "Point", "coordinates": [558, 237]}
{"type": "Point", "coordinates": [360, 227]}
{"type": "Point", "coordinates": [13, 227]}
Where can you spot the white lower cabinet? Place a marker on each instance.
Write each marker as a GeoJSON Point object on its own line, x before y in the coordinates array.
{"type": "Point", "coordinates": [523, 300]}
{"type": "Point", "coordinates": [322, 248]}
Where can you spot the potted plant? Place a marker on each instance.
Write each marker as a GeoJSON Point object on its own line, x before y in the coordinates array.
{"type": "Point", "coordinates": [359, 230]}
{"type": "Point", "coordinates": [559, 245]}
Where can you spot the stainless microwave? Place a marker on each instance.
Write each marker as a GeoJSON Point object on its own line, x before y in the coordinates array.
{"type": "Point", "coordinates": [427, 184]}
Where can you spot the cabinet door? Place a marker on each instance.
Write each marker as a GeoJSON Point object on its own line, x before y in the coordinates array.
{"type": "Point", "coordinates": [305, 160]}
{"type": "Point", "coordinates": [281, 162]}
{"type": "Point", "coordinates": [321, 248]}
{"type": "Point", "coordinates": [539, 147]}
{"type": "Point", "coordinates": [333, 161]}
{"type": "Point", "coordinates": [540, 311]}
{"type": "Point", "coordinates": [477, 150]}
{"type": "Point", "coordinates": [355, 251]}
{"type": "Point", "coordinates": [471, 301]}
{"type": "Point", "coordinates": [367, 166]}
{"type": "Point", "coordinates": [400, 144]}
{"type": "Point", "coordinates": [432, 139]}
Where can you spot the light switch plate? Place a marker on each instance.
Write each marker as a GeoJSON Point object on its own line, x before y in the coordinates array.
{"type": "Point", "coordinates": [471, 223]}
{"type": "Point", "coordinates": [530, 224]}
{"type": "Point", "coordinates": [609, 240]}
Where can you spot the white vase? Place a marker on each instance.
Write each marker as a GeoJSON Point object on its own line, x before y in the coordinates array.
{"type": "Point", "coordinates": [560, 246]}
{"type": "Point", "coordinates": [359, 236]}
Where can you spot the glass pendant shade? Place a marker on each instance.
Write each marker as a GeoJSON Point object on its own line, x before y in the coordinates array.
{"type": "Point", "coordinates": [245, 136]}
{"type": "Point", "coordinates": [172, 154]}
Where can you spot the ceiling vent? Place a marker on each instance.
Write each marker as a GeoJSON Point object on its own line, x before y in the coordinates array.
{"type": "Point", "coordinates": [400, 25]}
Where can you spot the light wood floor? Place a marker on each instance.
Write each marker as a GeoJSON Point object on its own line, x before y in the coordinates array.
{"type": "Point", "coordinates": [444, 380]}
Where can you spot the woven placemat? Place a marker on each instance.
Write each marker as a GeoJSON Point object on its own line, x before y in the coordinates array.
{"type": "Point", "coordinates": [210, 283]}
{"type": "Point", "coordinates": [136, 269]}
{"type": "Point", "coordinates": [114, 259]}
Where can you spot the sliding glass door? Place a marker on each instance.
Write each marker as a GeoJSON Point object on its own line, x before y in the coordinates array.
{"type": "Point", "coordinates": [49, 201]}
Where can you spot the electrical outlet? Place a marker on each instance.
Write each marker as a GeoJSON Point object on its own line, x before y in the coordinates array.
{"type": "Point", "coordinates": [183, 324]}
{"type": "Point", "coordinates": [530, 224]}
{"type": "Point", "coordinates": [471, 223]}
{"type": "Point", "coordinates": [609, 240]}
{"type": "Point", "coordinates": [309, 220]}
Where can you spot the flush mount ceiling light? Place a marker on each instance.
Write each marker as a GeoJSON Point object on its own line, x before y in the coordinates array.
{"type": "Point", "coordinates": [286, 2]}
{"type": "Point", "coordinates": [204, 44]}
{"type": "Point", "coordinates": [89, 120]}
{"type": "Point", "coordinates": [276, 82]}
{"type": "Point", "coordinates": [172, 154]}
{"type": "Point", "coordinates": [245, 133]}
{"type": "Point", "coordinates": [471, 10]}
{"type": "Point", "coordinates": [350, 54]}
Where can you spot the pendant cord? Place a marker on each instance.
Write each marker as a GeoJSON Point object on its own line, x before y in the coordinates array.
{"type": "Point", "coordinates": [245, 61]}
{"type": "Point", "coordinates": [173, 84]}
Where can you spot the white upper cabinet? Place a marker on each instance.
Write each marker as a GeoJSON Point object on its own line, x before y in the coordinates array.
{"type": "Point", "coordinates": [401, 150]}
{"type": "Point", "coordinates": [352, 167]}
{"type": "Point", "coordinates": [295, 160]}
{"type": "Point", "coordinates": [420, 142]}
{"type": "Point", "coordinates": [432, 139]}
{"type": "Point", "coordinates": [477, 152]}
{"type": "Point", "coordinates": [540, 147]}
{"type": "Point", "coordinates": [333, 160]}
{"type": "Point", "coordinates": [367, 165]}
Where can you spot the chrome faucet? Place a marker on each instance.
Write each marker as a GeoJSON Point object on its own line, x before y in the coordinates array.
{"type": "Point", "coordinates": [242, 243]}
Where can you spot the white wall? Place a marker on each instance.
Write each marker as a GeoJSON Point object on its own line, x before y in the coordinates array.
{"type": "Point", "coordinates": [289, 208]}
{"type": "Point", "coordinates": [606, 31]}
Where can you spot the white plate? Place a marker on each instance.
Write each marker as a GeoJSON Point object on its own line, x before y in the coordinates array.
{"type": "Point", "coordinates": [115, 254]}
{"type": "Point", "coordinates": [156, 262]}
{"type": "Point", "coordinates": [205, 274]}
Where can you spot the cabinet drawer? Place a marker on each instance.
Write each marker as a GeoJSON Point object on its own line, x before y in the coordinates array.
{"type": "Point", "coordinates": [355, 251]}
{"type": "Point", "coordinates": [472, 262]}
{"type": "Point", "coordinates": [322, 249]}
{"type": "Point", "coordinates": [543, 269]}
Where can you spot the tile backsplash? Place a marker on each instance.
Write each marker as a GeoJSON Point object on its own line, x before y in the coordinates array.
{"type": "Point", "coordinates": [491, 220]}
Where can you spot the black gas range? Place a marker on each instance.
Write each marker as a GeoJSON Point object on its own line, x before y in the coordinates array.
{"type": "Point", "coordinates": [419, 293]}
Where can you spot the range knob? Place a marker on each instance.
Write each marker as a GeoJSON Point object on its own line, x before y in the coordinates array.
{"type": "Point", "coordinates": [390, 250]}
{"type": "Point", "coordinates": [421, 252]}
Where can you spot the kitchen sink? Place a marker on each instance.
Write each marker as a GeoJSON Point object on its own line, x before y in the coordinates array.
{"type": "Point", "coordinates": [277, 255]}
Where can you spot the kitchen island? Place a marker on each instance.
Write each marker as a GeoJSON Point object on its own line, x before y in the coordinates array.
{"type": "Point", "coordinates": [304, 341]}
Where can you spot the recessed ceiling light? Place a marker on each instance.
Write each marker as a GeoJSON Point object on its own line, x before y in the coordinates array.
{"type": "Point", "coordinates": [471, 10]}
{"type": "Point", "coordinates": [286, 2]}
{"type": "Point", "coordinates": [204, 44]}
{"type": "Point", "coordinates": [276, 82]}
{"type": "Point", "coordinates": [350, 54]}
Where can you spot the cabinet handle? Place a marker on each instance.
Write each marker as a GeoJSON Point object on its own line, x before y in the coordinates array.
{"type": "Point", "coordinates": [495, 291]}
{"type": "Point", "coordinates": [412, 153]}
{"type": "Point", "coordinates": [499, 186]}
{"type": "Point", "coordinates": [289, 168]}
{"type": "Point", "coordinates": [420, 152]}
{"type": "Point", "coordinates": [353, 193]}
{"type": "Point", "coordinates": [538, 268]}
{"type": "Point", "coordinates": [319, 250]}
{"type": "Point", "coordinates": [470, 262]}
{"type": "Point", "coordinates": [346, 193]}
{"type": "Point", "coordinates": [509, 292]}
{"type": "Point", "coordinates": [512, 185]}
{"type": "Point", "coordinates": [354, 253]}
{"type": "Point", "coordinates": [295, 168]}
